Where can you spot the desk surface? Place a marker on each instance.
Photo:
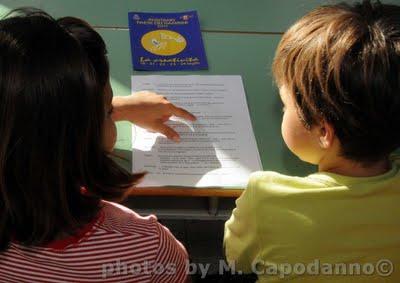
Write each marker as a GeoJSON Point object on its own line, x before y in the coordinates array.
{"type": "Point", "coordinates": [240, 38]}
{"type": "Point", "coordinates": [249, 55]}
{"type": "Point", "coordinates": [220, 15]}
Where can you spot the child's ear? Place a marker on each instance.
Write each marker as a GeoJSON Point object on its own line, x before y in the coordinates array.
{"type": "Point", "coordinates": [326, 135]}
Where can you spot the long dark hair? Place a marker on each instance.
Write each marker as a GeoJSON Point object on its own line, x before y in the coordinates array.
{"type": "Point", "coordinates": [51, 128]}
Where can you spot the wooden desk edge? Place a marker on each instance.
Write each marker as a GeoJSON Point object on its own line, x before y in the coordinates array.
{"type": "Point", "coordinates": [185, 192]}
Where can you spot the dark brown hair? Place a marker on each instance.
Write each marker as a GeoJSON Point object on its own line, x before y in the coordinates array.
{"type": "Point", "coordinates": [52, 115]}
{"type": "Point", "coordinates": [342, 65]}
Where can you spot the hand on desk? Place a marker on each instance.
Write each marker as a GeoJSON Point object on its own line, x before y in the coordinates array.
{"type": "Point", "coordinates": [150, 111]}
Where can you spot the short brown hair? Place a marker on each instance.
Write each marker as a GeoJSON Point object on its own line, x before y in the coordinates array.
{"type": "Point", "coordinates": [342, 64]}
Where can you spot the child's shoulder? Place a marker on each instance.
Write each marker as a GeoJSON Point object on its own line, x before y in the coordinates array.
{"type": "Point", "coordinates": [267, 176]}
{"type": "Point", "coordinates": [120, 219]}
{"type": "Point", "coordinates": [269, 184]}
{"type": "Point", "coordinates": [271, 178]}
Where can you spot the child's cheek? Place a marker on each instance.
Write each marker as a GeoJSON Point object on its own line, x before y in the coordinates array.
{"type": "Point", "coordinates": [287, 132]}
{"type": "Point", "coordinates": [110, 135]}
{"type": "Point", "coordinates": [296, 136]}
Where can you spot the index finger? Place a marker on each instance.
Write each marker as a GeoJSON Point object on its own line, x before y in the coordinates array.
{"type": "Point", "coordinates": [182, 113]}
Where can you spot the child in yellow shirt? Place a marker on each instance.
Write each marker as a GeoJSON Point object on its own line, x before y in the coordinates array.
{"type": "Point", "coordinates": [338, 73]}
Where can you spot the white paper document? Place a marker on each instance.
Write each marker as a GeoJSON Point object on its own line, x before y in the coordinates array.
{"type": "Point", "coordinates": [217, 150]}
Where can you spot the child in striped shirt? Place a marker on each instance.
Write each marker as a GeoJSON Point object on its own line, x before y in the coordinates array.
{"type": "Point", "coordinates": [57, 179]}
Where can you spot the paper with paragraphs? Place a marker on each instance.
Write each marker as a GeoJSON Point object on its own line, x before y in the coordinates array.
{"type": "Point", "coordinates": [217, 150]}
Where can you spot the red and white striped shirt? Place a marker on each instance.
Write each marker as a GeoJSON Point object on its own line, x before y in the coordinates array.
{"type": "Point", "coordinates": [117, 246]}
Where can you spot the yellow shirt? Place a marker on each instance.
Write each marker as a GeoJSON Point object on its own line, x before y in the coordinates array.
{"type": "Point", "coordinates": [320, 228]}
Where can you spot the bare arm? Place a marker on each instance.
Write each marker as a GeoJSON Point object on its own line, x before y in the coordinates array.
{"type": "Point", "coordinates": [150, 111]}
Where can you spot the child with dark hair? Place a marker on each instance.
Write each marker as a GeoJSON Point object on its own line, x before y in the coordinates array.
{"type": "Point", "coordinates": [338, 73]}
{"type": "Point", "coordinates": [57, 179]}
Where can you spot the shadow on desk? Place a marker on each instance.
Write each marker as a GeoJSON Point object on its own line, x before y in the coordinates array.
{"type": "Point", "coordinates": [203, 240]}
{"type": "Point", "coordinates": [123, 158]}
{"type": "Point", "coordinates": [226, 277]}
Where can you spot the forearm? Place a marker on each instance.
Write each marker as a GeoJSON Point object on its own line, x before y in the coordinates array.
{"type": "Point", "coordinates": [149, 111]}
{"type": "Point", "coordinates": [120, 108]}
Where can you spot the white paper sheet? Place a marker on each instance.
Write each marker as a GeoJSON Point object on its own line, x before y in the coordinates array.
{"type": "Point", "coordinates": [218, 150]}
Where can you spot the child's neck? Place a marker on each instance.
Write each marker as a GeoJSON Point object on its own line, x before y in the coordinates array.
{"type": "Point", "coordinates": [350, 168]}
